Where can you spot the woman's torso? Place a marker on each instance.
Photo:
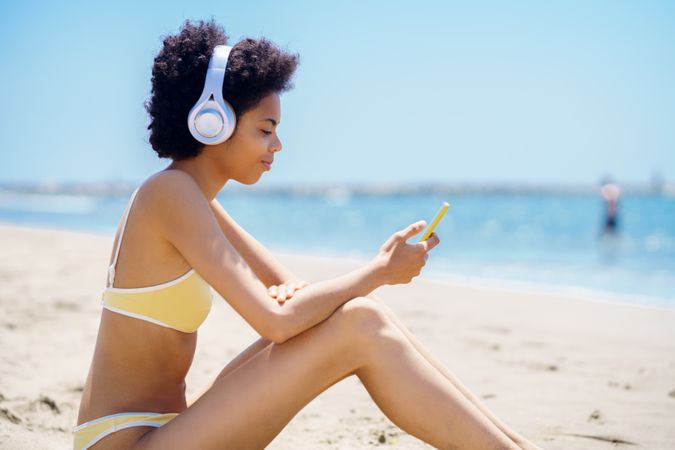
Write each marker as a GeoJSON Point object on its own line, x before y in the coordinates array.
{"type": "Point", "coordinates": [138, 365]}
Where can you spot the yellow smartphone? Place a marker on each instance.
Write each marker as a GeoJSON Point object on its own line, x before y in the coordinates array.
{"type": "Point", "coordinates": [432, 225]}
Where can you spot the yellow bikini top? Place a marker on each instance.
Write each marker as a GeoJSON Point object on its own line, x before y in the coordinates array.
{"type": "Point", "coordinates": [181, 304]}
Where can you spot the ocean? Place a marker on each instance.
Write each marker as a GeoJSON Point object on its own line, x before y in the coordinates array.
{"type": "Point", "coordinates": [548, 241]}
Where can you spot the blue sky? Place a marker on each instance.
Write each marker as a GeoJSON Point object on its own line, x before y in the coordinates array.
{"type": "Point", "coordinates": [534, 92]}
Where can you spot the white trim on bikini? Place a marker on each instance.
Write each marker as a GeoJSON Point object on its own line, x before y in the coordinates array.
{"type": "Point", "coordinates": [110, 416]}
{"type": "Point", "coordinates": [111, 269]}
{"type": "Point", "coordinates": [114, 428]}
{"type": "Point", "coordinates": [137, 316]}
{"type": "Point", "coordinates": [154, 287]}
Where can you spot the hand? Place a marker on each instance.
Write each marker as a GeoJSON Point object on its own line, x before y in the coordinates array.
{"type": "Point", "coordinates": [402, 261]}
{"type": "Point", "coordinates": [285, 291]}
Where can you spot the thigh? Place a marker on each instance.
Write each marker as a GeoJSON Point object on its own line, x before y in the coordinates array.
{"type": "Point", "coordinates": [249, 406]}
{"type": "Point", "coordinates": [239, 360]}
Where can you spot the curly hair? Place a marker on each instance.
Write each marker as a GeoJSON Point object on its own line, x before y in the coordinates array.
{"type": "Point", "coordinates": [255, 69]}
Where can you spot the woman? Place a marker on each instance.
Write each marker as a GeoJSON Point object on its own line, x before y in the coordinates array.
{"type": "Point", "coordinates": [174, 229]}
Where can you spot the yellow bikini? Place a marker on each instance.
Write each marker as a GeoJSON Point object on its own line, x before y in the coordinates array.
{"type": "Point", "coordinates": [89, 433]}
{"type": "Point", "coordinates": [181, 304]}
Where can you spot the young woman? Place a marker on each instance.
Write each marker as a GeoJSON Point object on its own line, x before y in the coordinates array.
{"type": "Point", "coordinates": [174, 229]}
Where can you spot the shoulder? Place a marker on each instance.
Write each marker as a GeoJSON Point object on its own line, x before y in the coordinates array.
{"type": "Point", "coordinates": [169, 186]}
{"type": "Point", "coordinates": [169, 181]}
{"type": "Point", "coordinates": [169, 193]}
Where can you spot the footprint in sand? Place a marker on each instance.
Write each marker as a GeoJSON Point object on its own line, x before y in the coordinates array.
{"type": "Point", "coordinates": [595, 417]}
{"type": "Point", "coordinates": [611, 439]}
{"type": "Point", "coordinates": [7, 414]}
{"type": "Point", "coordinates": [44, 400]}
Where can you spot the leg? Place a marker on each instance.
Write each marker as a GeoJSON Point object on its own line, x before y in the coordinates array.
{"type": "Point", "coordinates": [515, 437]}
{"type": "Point", "coordinates": [261, 343]}
{"type": "Point", "coordinates": [249, 406]}
{"type": "Point", "coordinates": [239, 360]}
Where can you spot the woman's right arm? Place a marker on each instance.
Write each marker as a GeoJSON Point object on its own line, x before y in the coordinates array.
{"type": "Point", "coordinates": [186, 220]}
{"type": "Point", "coordinates": [396, 263]}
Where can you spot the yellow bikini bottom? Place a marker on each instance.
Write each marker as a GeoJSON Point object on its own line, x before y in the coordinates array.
{"type": "Point", "coordinates": [89, 433]}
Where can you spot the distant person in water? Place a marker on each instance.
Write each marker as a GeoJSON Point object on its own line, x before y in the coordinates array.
{"type": "Point", "coordinates": [611, 193]}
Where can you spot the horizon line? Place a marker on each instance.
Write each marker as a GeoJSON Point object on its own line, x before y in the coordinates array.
{"type": "Point", "coordinates": [347, 188]}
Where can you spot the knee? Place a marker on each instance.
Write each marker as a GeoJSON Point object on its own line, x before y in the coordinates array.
{"type": "Point", "coordinates": [366, 320]}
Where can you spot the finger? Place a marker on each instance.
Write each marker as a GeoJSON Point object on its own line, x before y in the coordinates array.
{"type": "Point", "coordinates": [430, 243]}
{"type": "Point", "coordinates": [389, 243]}
{"type": "Point", "coordinates": [404, 235]}
{"type": "Point", "coordinates": [414, 229]}
{"type": "Point", "coordinates": [435, 240]}
{"type": "Point", "coordinates": [282, 292]}
{"type": "Point", "coordinates": [272, 291]}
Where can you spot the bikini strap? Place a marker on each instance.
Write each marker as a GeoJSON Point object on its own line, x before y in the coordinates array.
{"type": "Point", "coordinates": [111, 269]}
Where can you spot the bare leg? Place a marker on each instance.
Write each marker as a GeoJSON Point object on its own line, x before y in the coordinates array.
{"type": "Point", "coordinates": [261, 343]}
{"type": "Point", "coordinates": [250, 405]}
{"type": "Point", "coordinates": [239, 360]}
{"type": "Point", "coordinates": [515, 437]}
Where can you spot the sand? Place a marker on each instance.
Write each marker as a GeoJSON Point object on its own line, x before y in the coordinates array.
{"type": "Point", "coordinates": [566, 372]}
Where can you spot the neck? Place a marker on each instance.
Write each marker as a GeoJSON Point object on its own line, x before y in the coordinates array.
{"type": "Point", "coordinates": [204, 173]}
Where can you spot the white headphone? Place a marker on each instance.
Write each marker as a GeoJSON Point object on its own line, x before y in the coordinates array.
{"type": "Point", "coordinates": [212, 120]}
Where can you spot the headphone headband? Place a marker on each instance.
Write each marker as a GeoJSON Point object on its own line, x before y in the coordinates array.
{"type": "Point", "coordinates": [212, 120]}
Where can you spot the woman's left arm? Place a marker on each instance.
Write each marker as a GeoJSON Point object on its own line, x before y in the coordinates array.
{"type": "Point", "coordinates": [266, 267]}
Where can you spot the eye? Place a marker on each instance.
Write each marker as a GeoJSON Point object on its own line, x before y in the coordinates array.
{"type": "Point", "coordinates": [266, 132]}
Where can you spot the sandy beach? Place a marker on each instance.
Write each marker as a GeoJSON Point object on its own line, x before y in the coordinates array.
{"type": "Point", "coordinates": [568, 373]}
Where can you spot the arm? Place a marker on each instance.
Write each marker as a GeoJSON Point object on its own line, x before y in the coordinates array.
{"type": "Point", "coordinates": [317, 301]}
{"type": "Point", "coordinates": [183, 217]}
{"type": "Point", "coordinates": [262, 262]}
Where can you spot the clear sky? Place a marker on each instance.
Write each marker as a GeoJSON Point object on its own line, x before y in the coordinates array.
{"type": "Point", "coordinates": [519, 91]}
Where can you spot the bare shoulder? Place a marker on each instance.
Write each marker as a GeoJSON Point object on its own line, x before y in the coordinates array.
{"type": "Point", "coordinates": [170, 192]}
{"type": "Point", "coordinates": [170, 183]}
{"type": "Point", "coordinates": [177, 205]}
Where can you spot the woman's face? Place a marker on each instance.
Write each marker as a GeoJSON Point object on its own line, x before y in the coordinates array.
{"type": "Point", "coordinates": [254, 140]}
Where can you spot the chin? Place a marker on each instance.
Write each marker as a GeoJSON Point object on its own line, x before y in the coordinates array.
{"type": "Point", "coordinates": [249, 181]}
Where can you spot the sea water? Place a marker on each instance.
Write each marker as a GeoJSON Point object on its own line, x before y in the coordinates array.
{"type": "Point", "coordinates": [553, 241]}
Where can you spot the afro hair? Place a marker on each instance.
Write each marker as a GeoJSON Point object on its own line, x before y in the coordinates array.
{"type": "Point", "coordinates": [255, 69]}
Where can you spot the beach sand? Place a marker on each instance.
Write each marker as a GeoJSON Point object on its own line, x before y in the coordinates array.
{"type": "Point", "coordinates": [565, 372]}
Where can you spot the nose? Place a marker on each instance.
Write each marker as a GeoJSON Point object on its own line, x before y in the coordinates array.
{"type": "Point", "coordinates": [276, 144]}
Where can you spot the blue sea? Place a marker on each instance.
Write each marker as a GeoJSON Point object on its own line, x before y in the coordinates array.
{"type": "Point", "coordinates": [548, 241]}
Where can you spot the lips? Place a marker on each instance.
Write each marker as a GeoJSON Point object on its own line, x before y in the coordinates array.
{"type": "Point", "coordinates": [267, 164]}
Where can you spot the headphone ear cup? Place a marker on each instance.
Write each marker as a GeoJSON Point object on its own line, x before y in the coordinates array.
{"type": "Point", "coordinates": [209, 121]}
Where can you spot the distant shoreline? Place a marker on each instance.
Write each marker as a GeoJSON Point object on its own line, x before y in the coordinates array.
{"type": "Point", "coordinates": [339, 189]}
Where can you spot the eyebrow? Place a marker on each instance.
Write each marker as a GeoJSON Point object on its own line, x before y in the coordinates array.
{"type": "Point", "coordinates": [274, 122]}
